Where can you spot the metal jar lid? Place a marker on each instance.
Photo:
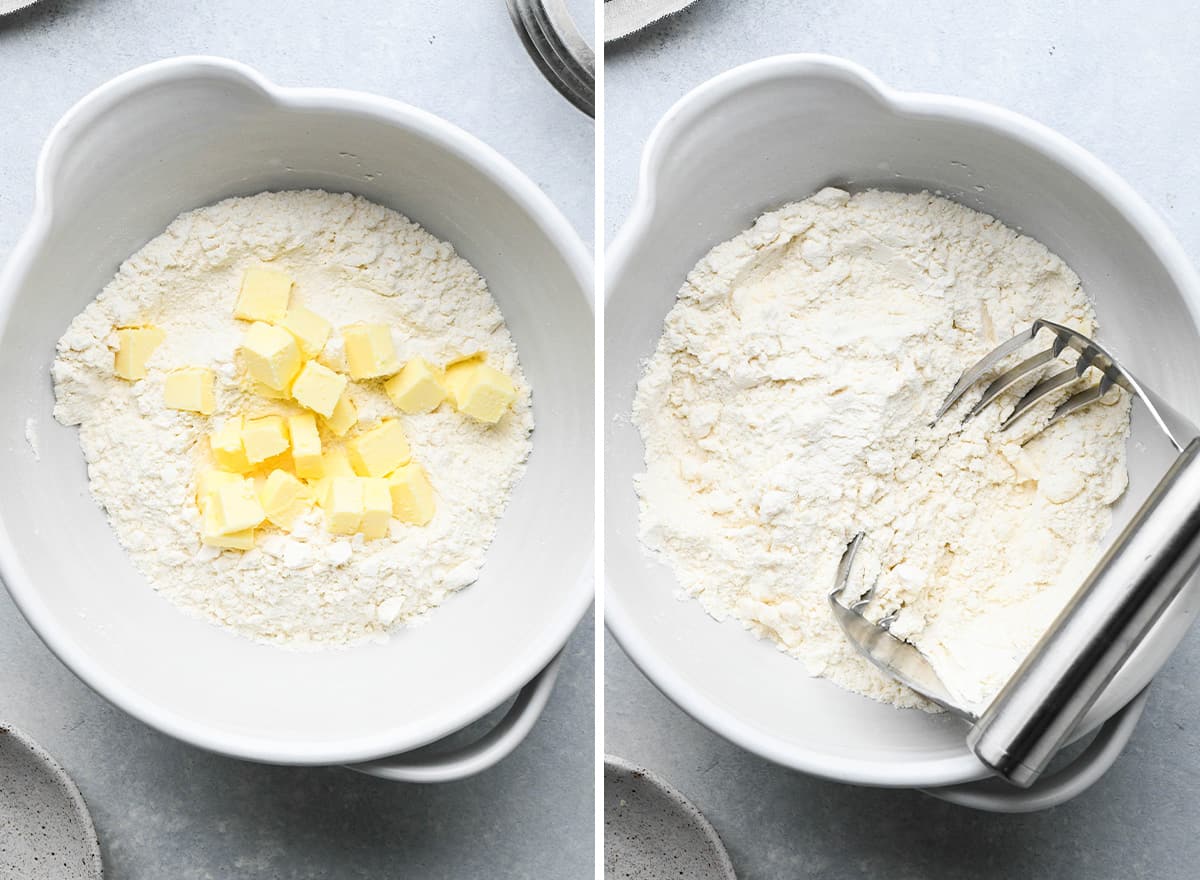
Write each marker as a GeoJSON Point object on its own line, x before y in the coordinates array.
{"type": "Point", "coordinates": [558, 49]}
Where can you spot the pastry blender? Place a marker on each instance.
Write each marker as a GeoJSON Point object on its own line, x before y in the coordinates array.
{"type": "Point", "coordinates": [1018, 733]}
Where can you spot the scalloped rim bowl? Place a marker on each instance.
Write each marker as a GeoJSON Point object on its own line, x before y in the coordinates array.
{"type": "Point", "coordinates": [119, 166]}
{"type": "Point", "coordinates": [775, 131]}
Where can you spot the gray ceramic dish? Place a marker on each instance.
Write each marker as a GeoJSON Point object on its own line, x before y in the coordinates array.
{"type": "Point", "coordinates": [652, 832]}
{"type": "Point", "coordinates": [48, 832]}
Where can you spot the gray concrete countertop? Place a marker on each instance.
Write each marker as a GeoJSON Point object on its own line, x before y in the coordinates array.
{"type": "Point", "coordinates": [166, 810]}
{"type": "Point", "coordinates": [1120, 82]}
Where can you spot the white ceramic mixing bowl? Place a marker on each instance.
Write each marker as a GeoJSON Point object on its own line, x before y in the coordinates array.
{"type": "Point", "coordinates": [117, 169]}
{"type": "Point", "coordinates": [776, 131]}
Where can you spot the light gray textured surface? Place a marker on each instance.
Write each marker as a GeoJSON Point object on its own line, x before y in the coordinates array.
{"type": "Point", "coordinates": [1121, 83]}
{"type": "Point", "coordinates": [163, 809]}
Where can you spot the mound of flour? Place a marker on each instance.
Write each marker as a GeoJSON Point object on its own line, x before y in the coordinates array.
{"type": "Point", "coordinates": [352, 261]}
{"type": "Point", "coordinates": [787, 407]}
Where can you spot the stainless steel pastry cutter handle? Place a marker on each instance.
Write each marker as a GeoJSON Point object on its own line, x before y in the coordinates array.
{"type": "Point", "coordinates": [1033, 715]}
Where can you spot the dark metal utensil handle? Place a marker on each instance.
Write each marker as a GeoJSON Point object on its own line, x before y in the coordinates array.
{"type": "Point", "coordinates": [1111, 613]}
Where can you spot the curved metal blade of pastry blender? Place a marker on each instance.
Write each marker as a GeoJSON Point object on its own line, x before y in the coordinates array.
{"type": "Point", "coordinates": [902, 660]}
{"type": "Point", "coordinates": [1090, 356]}
{"type": "Point", "coordinates": [1140, 574]}
{"type": "Point", "coordinates": [895, 657]}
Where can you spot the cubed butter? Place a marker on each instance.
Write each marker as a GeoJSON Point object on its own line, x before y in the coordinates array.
{"type": "Point", "coordinates": [344, 505]}
{"type": "Point", "coordinates": [306, 446]}
{"type": "Point", "coordinates": [456, 373]}
{"type": "Point", "coordinates": [283, 498]}
{"type": "Point", "coordinates": [282, 461]}
{"type": "Point", "coordinates": [369, 351]}
{"type": "Point", "coordinates": [190, 389]}
{"type": "Point", "coordinates": [480, 391]}
{"type": "Point", "coordinates": [227, 447]}
{"type": "Point", "coordinates": [270, 393]}
{"type": "Point", "coordinates": [377, 508]}
{"type": "Point", "coordinates": [235, 508]}
{"type": "Point", "coordinates": [319, 388]}
{"type": "Point", "coordinates": [271, 354]}
{"type": "Point", "coordinates": [243, 540]}
{"type": "Point", "coordinates": [264, 296]}
{"type": "Point", "coordinates": [412, 496]}
{"type": "Point", "coordinates": [135, 345]}
{"type": "Point", "coordinates": [345, 416]}
{"type": "Point", "coordinates": [209, 481]}
{"type": "Point", "coordinates": [264, 437]}
{"type": "Point", "coordinates": [334, 463]}
{"type": "Point", "coordinates": [337, 463]}
{"type": "Point", "coordinates": [417, 388]}
{"type": "Point", "coordinates": [309, 328]}
{"type": "Point", "coordinates": [379, 451]}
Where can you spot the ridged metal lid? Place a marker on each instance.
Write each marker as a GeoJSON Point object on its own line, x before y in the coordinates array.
{"type": "Point", "coordinates": [558, 49]}
{"type": "Point", "coordinates": [7, 6]}
{"type": "Point", "coordinates": [623, 18]}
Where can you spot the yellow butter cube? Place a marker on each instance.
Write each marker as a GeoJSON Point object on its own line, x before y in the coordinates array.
{"type": "Point", "coordinates": [227, 448]}
{"type": "Point", "coordinates": [377, 508]}
{"type": "Point", "coordinates": [334, 463]}
{"type": "Point", "coordinates": [282, 461]}
{"type": "Point", "coordinates": [306, 446]}
{"type": "Point", "coordinates": [344, 505]}
{"type": "Point", "coordinates": [190, 389]}
{"type": "Point", "coordinates": [456, 373]}
{"type": "Point", "coordinates": [319, 388]}
{"type": "Point", "coordinates": [284, 498]}
{"type": "Point", "coordinates": [135, 345]}
{"type": "Point", "coordinates": [480, 391]}
{"type": "Point", "coordinates": [379, 451]}
{"type": "Point", "coordinates": [235, 508]}
{"type": "Point", "coordinates": [264, 296]}
{"type": "Point", "coordinates": [208, 482]}
{"type": "Point", "coordinates": [369, 351]}
{"type": "Point", "coordinates": [417, 388]}
{"type": "Point", "coordinates": [243, 540]}
{"type": "Point", "coordinates": [345, 416]}
{"type": "Point", "coordinates": [271, 354]}
{"type": "Point", "coordinates": [264, 438]}
{"type": "Point", "coordinates": [270, 393]}
{"type": "Point", "coordinates": [337, 463]}
{"type": "Point", "coordinates": [412, 496]}
{"type": "Point", "coordinates": [309, 328]}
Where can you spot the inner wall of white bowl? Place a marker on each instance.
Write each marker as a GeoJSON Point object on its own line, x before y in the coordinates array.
{"type": "Point", "coordinates": [779, 141]}
{"type": "Point", "coordinates": [123, 178]}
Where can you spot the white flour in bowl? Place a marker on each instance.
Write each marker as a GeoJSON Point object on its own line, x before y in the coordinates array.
{"type": "Point", "coordinates": [352, 261]}
{"type": "Point", "coordinates": [787, 407]}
